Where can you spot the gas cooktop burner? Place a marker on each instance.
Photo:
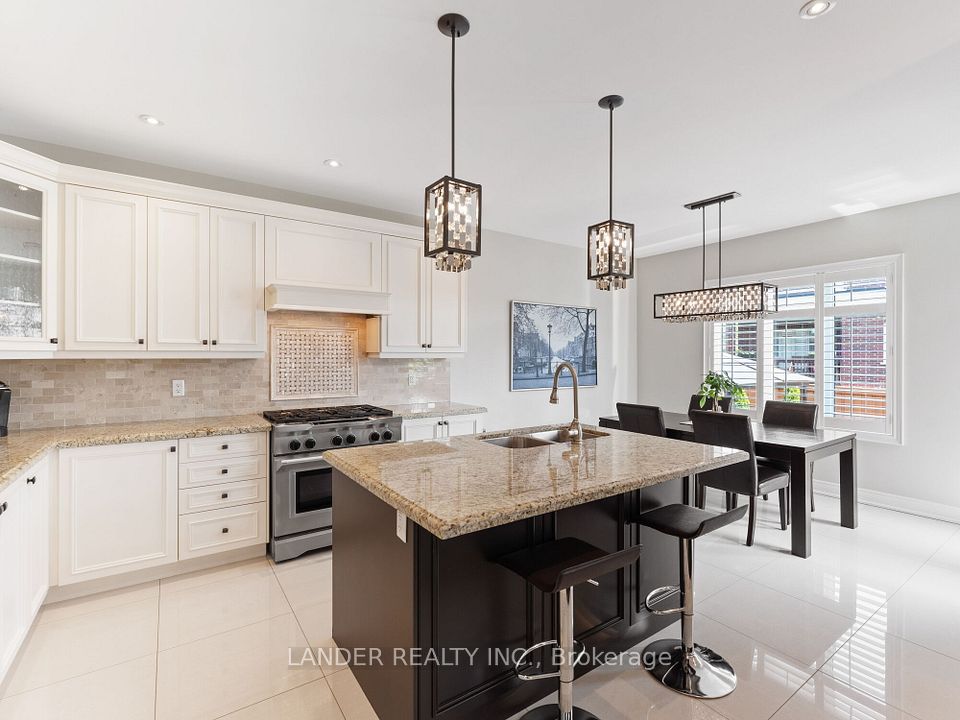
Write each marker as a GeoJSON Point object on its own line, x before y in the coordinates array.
{"type": "Point", "coordinates": [325, 414]}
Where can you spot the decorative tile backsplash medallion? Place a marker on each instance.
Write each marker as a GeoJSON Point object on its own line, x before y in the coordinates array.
{"type": "Point", "coordinates": [311, 363]}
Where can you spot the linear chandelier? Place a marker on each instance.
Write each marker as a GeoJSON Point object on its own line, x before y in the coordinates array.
{"type": "Point", "coordinates": [451, 228]}
{"type": "Point", "coordinates": [610, 243]}
{"type": "Point", "coordinates": [724, 302]}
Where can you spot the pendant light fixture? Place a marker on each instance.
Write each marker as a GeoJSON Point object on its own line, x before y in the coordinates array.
{"type": "Point", "coordinates": [730, 302]}
{"type": "Point", "coordinates": [451, 228]}
{"type": "Point", "coordinates": [610, 243]}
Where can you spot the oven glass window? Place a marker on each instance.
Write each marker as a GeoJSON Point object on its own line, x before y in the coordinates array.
{"type": "Point", "coordinates": [314, 490]}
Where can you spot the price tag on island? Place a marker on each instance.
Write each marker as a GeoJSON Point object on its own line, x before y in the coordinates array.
{"type": "Point", "coordinates": [401, 526]}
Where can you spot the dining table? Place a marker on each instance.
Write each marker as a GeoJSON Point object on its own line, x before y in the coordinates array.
{"type": "Point", "coordinates": [800, 448]}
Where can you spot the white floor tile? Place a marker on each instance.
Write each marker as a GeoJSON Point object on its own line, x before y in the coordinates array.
{"type": "Point", "coordinates": [122, 691]}
{"type": "Point", "coordinates": [317, 623]}
{"type": "Point", "coordinates": [213, 575]}
{"type": "Point", "coordinates": [899, 673]}
{"type": "Point", "coordinates": [307, 583]}
{"type": "Point", "coordinates": [200, 611]}
{"type": "Point", "coordinates": [313, 701]}
{"type": "Point", "coordinates": [62, 649]}
{"type": "Point", "coordinates": [926, 610]}
{"type": "Point", "coordinates": [709, 580]}
{"type": "Point", "coordinates": [100, 601]}
{"type": "Point", "coordinates": [230, 671]}
{"type": "Point", "coordinates": [826, 698]}
{"type": "Point", "coordinates": [791, 626]}
{"type": "Point", "coordinates": [353, 703]}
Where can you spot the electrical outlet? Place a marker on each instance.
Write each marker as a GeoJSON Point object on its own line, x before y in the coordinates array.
{"type": "Point", "coordinates": [179, 388]}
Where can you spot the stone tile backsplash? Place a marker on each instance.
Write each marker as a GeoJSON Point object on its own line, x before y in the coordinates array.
{"type": "Point", "coordinates": [54, 393]}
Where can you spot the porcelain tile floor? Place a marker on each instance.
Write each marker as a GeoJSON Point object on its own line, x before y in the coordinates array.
{"type": "Point", "coordinates": [866, 629]}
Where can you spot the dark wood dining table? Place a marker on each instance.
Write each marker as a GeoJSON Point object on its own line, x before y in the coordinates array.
{"type": "Point", "coordinates": [800, 448]}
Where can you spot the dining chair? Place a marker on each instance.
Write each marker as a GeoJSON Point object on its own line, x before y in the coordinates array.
{"type": "Point", "coordinates": [645, 419]}
{"type": "Point", "coordinates": [746, 478]}
{"type": "Point", "coordinates": [725, 403]}
{"type": "Point", "coordinates": [791, 415]}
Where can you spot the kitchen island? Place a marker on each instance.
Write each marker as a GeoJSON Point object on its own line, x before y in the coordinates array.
{"type": "Point", "coordinates": [427, 619]}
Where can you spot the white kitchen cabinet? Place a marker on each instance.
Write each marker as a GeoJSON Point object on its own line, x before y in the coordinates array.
{"type": "Point", "coordinates": [439, 428]}
{"type": "Point", "coordinates": [215, 531]}
{"type": "Point", "coordinates": [117, 509]}
{"type": "Point", "coordinates": [24, 557]}
{"type": "Point", "coordinates": [178, 268]}
{"type": "Point", "coordinates": [427, 306]}
{"type": "Point", "coordinates": [237, 318]}
{"type": "Point", "coordinates": [307, 254]}
{"type": "Point", "coordinates": [105, 270]}
{"type": "Point", "coordinates": [29, 278]}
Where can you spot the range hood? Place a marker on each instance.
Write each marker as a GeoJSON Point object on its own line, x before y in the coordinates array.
{"type": "Point", "coordinates": [319, 299]}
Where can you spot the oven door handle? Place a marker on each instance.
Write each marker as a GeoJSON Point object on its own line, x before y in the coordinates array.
{"type": "Point", "coordinates": [304, 460]}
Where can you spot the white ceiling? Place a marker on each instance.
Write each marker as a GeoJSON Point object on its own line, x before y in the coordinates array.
{"type": "Point", "coordinates": [807, 119]}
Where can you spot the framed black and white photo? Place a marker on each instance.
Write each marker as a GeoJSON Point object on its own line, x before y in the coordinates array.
{"type": "Point", "coordinates": [542, 336]}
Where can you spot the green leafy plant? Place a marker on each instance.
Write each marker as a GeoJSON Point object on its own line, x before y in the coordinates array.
{"type": "Point", "coordinates": [717, 385]}
{"type": "Point", "coordinates": [791, 394]}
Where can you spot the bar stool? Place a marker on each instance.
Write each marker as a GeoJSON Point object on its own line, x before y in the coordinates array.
{"type": "Point", "coordinates": [555, 567]}
{"type": "Point", "coordinates": [681, 665]}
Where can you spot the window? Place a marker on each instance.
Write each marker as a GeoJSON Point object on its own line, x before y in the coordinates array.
{"type": "Point", "coordinates": [830, 343]}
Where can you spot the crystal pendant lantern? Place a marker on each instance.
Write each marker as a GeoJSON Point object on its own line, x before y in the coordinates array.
{"type": "Point", "coordinates": [610, 243]}
{"type": "Point", "coordinates": [724, 302]}
{"type": "Point", "coordinates": [451, 227]}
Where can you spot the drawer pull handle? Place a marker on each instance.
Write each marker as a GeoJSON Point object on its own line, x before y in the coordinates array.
{"type": "Point", "coordinates": [173, 448]}
{"type": "Point", "coordinates": [224, 471]}
{"type": "Point", "coordinates": [224, 496]}
{"type": "Point", "coordinates": [32, 480]}
{"type": "Point", "coordinates": [224, 447]}
{"type": "Point", "coordinates": [225, 531]}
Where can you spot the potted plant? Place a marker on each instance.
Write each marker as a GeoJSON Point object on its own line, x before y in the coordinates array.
{"type": "Point", "coordinates": [717, 385]}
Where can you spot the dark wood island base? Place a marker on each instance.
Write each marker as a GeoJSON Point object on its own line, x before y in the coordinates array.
{"type": "Point", "coordinates": [425, 604]}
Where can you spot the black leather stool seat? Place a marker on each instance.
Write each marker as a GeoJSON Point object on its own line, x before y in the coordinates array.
{"type": "Point", "coordinates": [565, 562]}
{"type": "Point", "coordinates": [687, 522]}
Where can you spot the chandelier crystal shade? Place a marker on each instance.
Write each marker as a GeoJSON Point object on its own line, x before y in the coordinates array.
{"type": "Point", "coordinates": [610, 243]}
{"type": "Point", "coordinates": [724, 302]}
{"type": "Point", "coordinates": [451, 226]}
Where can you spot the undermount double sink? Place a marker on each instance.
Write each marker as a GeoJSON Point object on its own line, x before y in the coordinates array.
{"type": "Point", "coordinates": [538, 439]}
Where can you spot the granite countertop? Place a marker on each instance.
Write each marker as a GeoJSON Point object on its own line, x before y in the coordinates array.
{"type": "Point", "coordinates": [19, 450]}
{"type": "Point", "coordinates": [435, 409]}
{"type": "Point", "coordinates": [461, 485]}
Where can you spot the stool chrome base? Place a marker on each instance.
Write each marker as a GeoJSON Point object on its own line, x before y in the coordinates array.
{"type": "Point", "coordinates": [701, 674]}
{"type": "Point", "coordinates": [552, 712]}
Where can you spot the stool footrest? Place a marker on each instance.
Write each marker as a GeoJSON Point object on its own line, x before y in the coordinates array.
{"type": "Point", "coordinates": [579, 657]}
{"type": "Point", "coordinates": [659, 595]}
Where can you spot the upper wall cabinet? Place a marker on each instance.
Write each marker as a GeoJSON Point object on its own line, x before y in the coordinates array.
{"type": "Point", "coordinates": [105, 275]}
{"type": "Point", "coordinates": [310, 255]}
{"type": "Point", "coordinates": [28, 261]}
{"type": "Point", "coordinates": [427, 306]}
{"type": "Point", "coordinates": [237, 318]}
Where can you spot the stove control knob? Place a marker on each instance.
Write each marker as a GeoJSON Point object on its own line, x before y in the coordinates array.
{"type": "Point", "coordinates": [351, 439]}
{"type": "Point", "coordinates": [387, 435]}
{"type": "Point", "coordinates": [310, 443]}
{"type": "Point", "coordinates": [374, 436]}
{"type": "Point", "coordinates": [294, 444]}
{"type": "Point", "coordinates": [337, 440]}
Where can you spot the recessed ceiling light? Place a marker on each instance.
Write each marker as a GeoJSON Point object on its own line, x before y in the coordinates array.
{"type": "Point", "coordinates": [150, 120]}
{"type": "Point", "coordinates": [815, 8]}
{"type": "Point", "coordinates": [332, 163]}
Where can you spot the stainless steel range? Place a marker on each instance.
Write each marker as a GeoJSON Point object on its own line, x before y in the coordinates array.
{"type": "Point", "coordinates": [301, 480]}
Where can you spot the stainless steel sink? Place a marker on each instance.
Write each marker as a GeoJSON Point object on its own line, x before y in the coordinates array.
{"type": "Point", "coordinates": [517, 442]}
{"type": "Point", "coordinates": [547, 437]}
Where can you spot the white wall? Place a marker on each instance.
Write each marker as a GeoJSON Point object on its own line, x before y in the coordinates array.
{"type": "Point", "coordinates": [928, 235]}
{"type": "Point", "coordinates": [513, 268]}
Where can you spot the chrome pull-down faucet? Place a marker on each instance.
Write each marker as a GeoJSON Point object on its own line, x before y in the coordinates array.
{"type": "Point", "coordinates": [575, 430]}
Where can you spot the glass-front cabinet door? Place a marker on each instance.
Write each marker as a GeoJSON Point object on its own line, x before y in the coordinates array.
{"type": "Point", "coordinates": [27, 276]}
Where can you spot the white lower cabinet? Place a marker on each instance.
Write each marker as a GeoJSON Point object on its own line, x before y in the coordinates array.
{"type": "Point", "coordinates": [24, 557]}
{"type": "Point", "coordinates": [117, 510]}
{"type": "Point", "coordinates": [214, 531]}
{"type": "Point", "coordinates": [438, 428]}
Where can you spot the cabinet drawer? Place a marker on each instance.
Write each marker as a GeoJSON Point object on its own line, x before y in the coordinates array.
{"type": "Point", "coordinates": [213, 531]}
{"type": "Point", "coordinates": [229, 469]}
{"type": "Point", "coordinates": [223, 495]}
{"type": "Point", "coordinates": [207, 448]}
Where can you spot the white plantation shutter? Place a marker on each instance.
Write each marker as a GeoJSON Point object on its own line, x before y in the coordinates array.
{"type": "Point", "coordinates": [734, 351]}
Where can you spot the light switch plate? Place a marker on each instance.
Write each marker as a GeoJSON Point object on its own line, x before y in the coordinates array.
{"type": "Point", "coordinates": [179, 388]}
{"type": "Point", "coordinates": [401, 526]}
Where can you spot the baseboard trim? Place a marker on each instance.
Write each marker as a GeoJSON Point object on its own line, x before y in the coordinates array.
{"type": "Point", "coordinates": [891, 501]}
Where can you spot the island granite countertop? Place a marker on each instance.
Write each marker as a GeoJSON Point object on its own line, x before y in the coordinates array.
{"type": "Point", "coordinates": [460, 485]}
{"type": "Point", "coordinates": [19, 450]}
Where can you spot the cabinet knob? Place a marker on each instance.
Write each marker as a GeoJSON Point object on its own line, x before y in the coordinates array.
{"type": "Point", "coordinates": [3, 508]}
{"type": "Point", "coordinates": [204, 342]}
{"type": "Point", "coordinates": [225, 530]}
{"type": "Point", "coordinates": [213, 342]}
{"type": "Point", "coordinates": [54, 341]}
{"type": "Point", "coordinates": [224, 496]}
{"type": "Point", "coordinates": [224, 471]}
{"type": "Point", "coordinates": [429, 345]}
{"type": "Point", "coordinates": [32, 480]}
{"type": "Point", "coordinates": [224, 447]}
{"type": "Point", "coordinates": [173, 448]}
{"type": "Point", "coordinates": [140, 341]}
